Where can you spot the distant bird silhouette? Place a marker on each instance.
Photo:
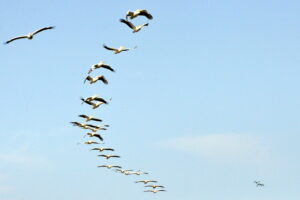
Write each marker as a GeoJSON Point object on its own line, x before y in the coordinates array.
{"type": "Point", "coordinates": [102, 149]}
{"type": "Point", "coordinates": [116, 51]}
{"type": "Point", "coordinates": [30, 35]}
{"type": "Point", "coordinates": [155, 186]}
{"type": "Point", "coordinates": [132, 26]}
{"type": "Point", "coordinates": [90, 118]}
{"type": "Point", "coordinates": [91, 142]}
{"type": "Point", "coordinates": [109, 156]}
{"type": "Point", "coordinates": [97, 78]}
{"type": "Point", "coordinates": [155, 191]}
{"type": "Point", "coordinates": [110, 166]}
{"type": "Point", "coordinates": [258, 184]}
{"type": "Point", "coordinates": [100, 65]}
{"type": "Point", "coordinates": [138, 12]}
{"type": "Point", "coordinates": [146, 181]}
{"type": "Point", "coordinates": [139, 173]}
{"type": "Point", "coordinates": [95, 135]}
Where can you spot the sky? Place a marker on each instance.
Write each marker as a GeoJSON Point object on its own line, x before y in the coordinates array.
{"type": "Point", "coordinates": [207, 103]}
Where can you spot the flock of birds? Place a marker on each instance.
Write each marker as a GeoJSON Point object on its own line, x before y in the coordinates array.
{"type": "Point", "coordinates": [95, 102]}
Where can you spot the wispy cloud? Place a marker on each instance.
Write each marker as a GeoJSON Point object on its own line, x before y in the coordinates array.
{"type": "Point", "coordinates": [222, 147]}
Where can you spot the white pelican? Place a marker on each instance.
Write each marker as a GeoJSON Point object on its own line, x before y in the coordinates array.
{"type": "Point", "coordinates": [258, 183]}
{"type": "Point", "coordinates": [138, 12]}
{"type": "Point", "coordinates": [133, 27]}
{"type": "Point", "coordinates": [90, 118]}
{"type": "Point", "coordinates": [84, 126]}
{"type": "Point", "coordinates": [109, 156]}
{"type": "Point", "coordinates": [95, 135]}
{"type": "Point", "coordinates": [97, 78]}
{"type": "Point", "coordinates": [30, 35]}
{"type": "Point", "coordinates": [146, 181]}
{"type": "Point", "coordinates": [124, 171]}
{"type": "Point", "coordinates": [102, 149]}
{"type": "Point", "coordinates": [93, 98]}
{"type": "Point", "coordinates": [110, 166]}
{"type": "Point", "coordinates": [155, 186]}
{"type": "Point", "coordinates": [100, 65]}
{"type": "Point", "coordinates": [91, 142]}
{"type": "Point", "coordinates": [139, 173]}
{"type": "Point", "coordinates": [155, 191]}
{"type": "Point", "coordinates": [119, 50]}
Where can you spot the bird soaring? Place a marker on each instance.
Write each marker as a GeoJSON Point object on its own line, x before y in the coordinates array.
{"type": "Point", "coordinates": [132, 26]}
{"type": "Point", "coordinates": [30, 35]}
{"type": "Point", "coordinates": [100, 65]}
{"type": "Point", "coordinates": [97, 78]}
{"type": "Point", "coordinates": [116, 51]}
{"type": "Point", "coordinates": [155, 191]}
{"type": "Point", "coordinates": [102, 149]}
{"type": "Point", "coordinates": [138, 12]}
{"type": "Point", "coordinates": [146, 181]}
{"type": "Point", "coordinates": [109, 156]}
{"type": "Point", "coordinates": [155, 186]}
{"type": "Point", "coordinates": [110, 166]}
{"type": "Point", "coordinates": [90, 118]}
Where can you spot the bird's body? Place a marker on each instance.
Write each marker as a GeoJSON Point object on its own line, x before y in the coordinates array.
{"type": "Point", "coordinates": [146, 181]}
{"type": "Point", "coordinates": [109, 156]}
{"type": "Point", "coordinates": [138, 12]}
{"type": "Point", "coordinates": [94, 98]}
{"type": "Point", "coordinates": [95, 135]}
{"type": "Point", "coordinates": [110, 166]}
{"type": "Point", "coordinates": [30, 35]}
{"type": "Point", "coordinates": [95, 79]}
{"type": "Point", "coordinates": [100, 65]}
{"type": "Point", "coordinates": [132, 26]}
{"type": "Point", "coordinates": [90, 118]}
{"type": "Point", "coordinates": [102, 149]}
{"type": "Point", "coordinates": [125, 171]}
{"type": "Point", "coordinates": [155, 186]}
{"type": "Point", "coordinates": [116, 51]}
{"type": "Point", "coordinates": [259, 184]}
{"type": "Point", "coordinates": [155, 191]}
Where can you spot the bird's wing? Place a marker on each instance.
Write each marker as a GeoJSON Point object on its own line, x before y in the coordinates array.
{"type": "Point", "coordinates": [16, 38]}
{"type": "Point", "coordinates": [102, 166]}
{"type": "Point", "coordinates": [109, 48]}
{"type": "Point", "coordinates": [146, 14]}
{"type": "Point", "coordinates": [43, 29]}
{"type": "Point", "coordinates": [116, 166]}
{"type": "Point", "coordinates": [128, 23]}
{"type": "Point", "coordinates": [83, 116]}
{"type": "Point", "coordinates": [115, 156]}
{"type": "Point", "coordinates": [95, 119]}
{"type": "Point", "coordinates": [152, 181]}
{"type": "Point", "coordinates": [108, 67]}
{"type": "Point", "coordinates": [162, 190]}
{"type": "Point", "coordinates": [99, 136]}
{"type": "Point", "coordinates": [103, 79]}
{"type": "Point", "coordinates": [100, 99]}
{"type": "Point", "coordinates": [93, 126]}
{"type": "Point", "coordinates": [109, 149]}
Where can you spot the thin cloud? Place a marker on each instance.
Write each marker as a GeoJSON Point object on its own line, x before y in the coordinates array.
{"type": "Point", "coordinates": [221, 147]}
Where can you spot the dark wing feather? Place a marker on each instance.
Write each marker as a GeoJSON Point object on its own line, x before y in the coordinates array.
{"type": "Point", "coordinates": [109, 149]}
{"type": "Point", "coordinates": [43, 29]}
{"type": "Point", "coordinates": [99, 136]}
{"type": "Point", "coordinates": [100, 99]}
{"type": "Point", "coordinates": [97, 120]}
{"type": "Point", "coordinates": [83, 116]}
{"type": "Point", "coordinates": [16, 38]}
{"type": "Point", "coordinates": [108, 67]}
{"type": "Point", "coordinates": [146, 14]}
{"type": "Point", "coordinates": [127, 23]}
{"type": "Point", "coordinates": [109, 48]}
{"type": "Point", "coordinates": [103, 79]}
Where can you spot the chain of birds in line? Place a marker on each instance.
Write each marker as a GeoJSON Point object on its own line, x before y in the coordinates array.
{"type": "Point", "coordinates": [95, 101]}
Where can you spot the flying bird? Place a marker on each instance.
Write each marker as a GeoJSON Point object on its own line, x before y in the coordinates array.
{"type": "Point", "coordinates": [109, 156]}
{"type": "Point", "coordinates": [258, 184]}
{"type": "Point", "coordinates": [110, 166]}
{"type": "Point", "coordinates": [84, 126]}
{"type": "Point", "coordinates": [138, 12]}
{"type": "Point", "coordinates": [97, 78]}
{"type": "Point", "coordinates": [95, 135]}
{"type": "Point", "coordinates": [93, 98]}
{"type": "Point", "coordinates": [100, 65]}
{"type": "Point", "coordinates": [146, 181]}
{"type": "Point", "coordinates": [124, 171]}
{"type": "Point", "coordinates": [90, 118]}
{"type": "Point", "coordinates": [91, 142]}
{"type": "Point", "coordinates": [155, 186]}
{"type": "Point", "coordinates": [116, 51]}
{"type": "Point", "coordinates": [30, 35]}
{"type": "Point", "coordinates": [102, 149]}
{"type": "Point", "coordinates": [155, 191]}
{"type": "Point", "coordinates": [139, 173]}
{"type": "Point", "coordinates": [133, 27]}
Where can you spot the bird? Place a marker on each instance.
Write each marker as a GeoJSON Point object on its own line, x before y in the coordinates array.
{"type": "Point", "coordinates": [102, 149]}
{"type": "Point", "coordinates": [119, 50]}
{"type": "Point", "coordinates": [84, 126]}
{"type": "Point", "coordinates": [132, 26]}
{"type": "Point", "coordinates": [97, 128]}
{"type": "Point", "coordinates": [95, 135]}
{"type": "Point", "coordinates": [146, 181]}
{"type": "Point", "coordinates": [155, 191]}
{"type": "Point", "coordinates": [100, 65]}
{"type": "Point", "coordinates": [155, 186]}
{"type": "Point", "coordinates": [97, 78]}
{"type": "Point", "coordinates": [90, 118]}
{"type": "Point", "coordinates": [124, 171]}
{"type": "Point", "coordinates": [110, 166]}
{"type": "Point", "coordinates": [139, 173]}
{"type": "Point", "coordinates": [91, 142]}
{"type": "Point", "coordinates": [109, 156]}
{"type": "Point", "coordinates": [138, 12]}
{"type": "Point", "coordinates": [30, 35]}
{"type": "Point", "coordinates": [258, 183]}
{"type": "Point", "coordinates": [93, 98]}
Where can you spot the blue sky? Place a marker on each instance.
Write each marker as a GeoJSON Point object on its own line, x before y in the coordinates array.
{"type": "Point", "coordinates": [206, 104]}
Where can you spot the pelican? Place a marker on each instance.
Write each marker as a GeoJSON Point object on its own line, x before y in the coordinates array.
{"type": "Point", "coordinates": [258, 183]}
{"type": "Point", "coordinates": [139, 173]}
{"type": "Point", "coordinates": [97, 78]}
{"type": "Point", "coordinates": [90, 118]}
{"type": "Point", "coordinates": [124, 171]}
{"type": "Point", "coordinates": [84, 126]}
{"type": "Point", "coordinates": [93, 98]}
{"type": "Point", "coordinates": [146, 181]}
{"type": "Point", "coordinates": [95, 135]}
{"type": "Point", "coordinates": [100, 65]}
{"type": "Point", "coordinates": [119, 50]}
{"type": "Point", "coordinates": [30, 35]}
{"type": "Point", "coordinates": [155, 191]}
{"type": "Point", "coordinates": [109, 156]}
{"type": "Point", "coordinates": [102, 149]}
{"type": "Point", "coordinates": [138, 12]}
{"type": "Point", "coordinates": [133, 27]}
{"type": "Point", "coordinates": [91, 142]}
{"type": "Point", "coordinates": [110, 166]}
{"type": "Point", "coordinates": [155, 186]}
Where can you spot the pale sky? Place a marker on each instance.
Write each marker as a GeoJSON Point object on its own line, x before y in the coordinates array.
{"type": "Point", "coordinates": [207, 103]}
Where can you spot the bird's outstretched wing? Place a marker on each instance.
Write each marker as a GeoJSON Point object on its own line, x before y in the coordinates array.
{"type": "Point", "coordinates": [108, 149]}
{"type": "Point", "coordinates": [146, 14]}
{"type": "Point", "coordinates": [89, 78]}
{"type": "Point", "coordinates": [97, 120]}
{"type": "Point", "coordinates": [83, 116]}
{"type": "Point", "coordinates": [43, 29]}
{"type": "Point", "coordinates": [100, 99]}
{"type": "Point", "coordinates": [16, 38]}
{"type": "Point", "coordinates": [99, 136]}
{"type": "Point", "coordinates": [103, 79]}
{"type": "Point", "coordinates": [108, 67]}
{"type": "Point", "coordinates": [109, 48]}
{"type": "Point", "coordinates": [128, 23]}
